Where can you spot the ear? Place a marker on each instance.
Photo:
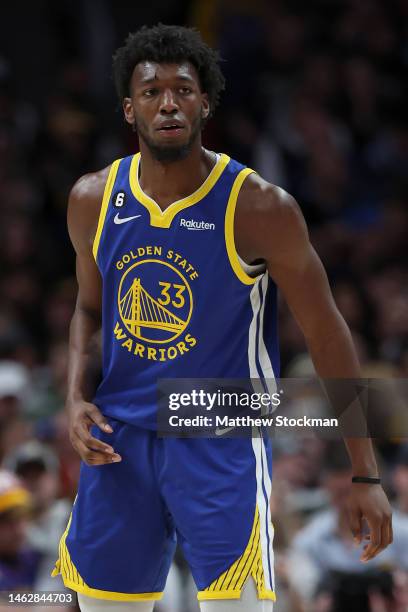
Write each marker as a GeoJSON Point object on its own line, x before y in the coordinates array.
{"type": "Point", "coordinates": [205, 106]}
{"type": "Point", "coordinates": [128, 110]}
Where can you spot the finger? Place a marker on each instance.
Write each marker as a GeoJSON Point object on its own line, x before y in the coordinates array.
{"type": "Point", "coordinates": [88, 456]}
{"type": "Point", "coordinates": [82, 432]}
{"type": "Point", "coordinates": [97, 417]}
{"type": "Point", "coordinates": [91, 457]}
{"type": "Point", "coordinates": [386, 536]}
{"type": "Point", "coordinates": [371, 549]}
{"type": "Point", "coordinates": [356, 525]}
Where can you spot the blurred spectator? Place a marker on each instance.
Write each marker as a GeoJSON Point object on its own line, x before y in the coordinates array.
{"type": "Point", "coordinates": [14, 390]}
{"type": "Point", "coordinates": [323, 550]}
{"type": "Point", "coordinates": [14, 381]}
{"type": "Point", "coordinates": [38, 468]}
{"type": "Point", "coordinates": [400, 480]}
{"type": "Point", "coordinates": [18, 561]}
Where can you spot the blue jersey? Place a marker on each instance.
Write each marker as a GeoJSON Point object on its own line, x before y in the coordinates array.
{"type": "Point", "coordinates": [177, 301]}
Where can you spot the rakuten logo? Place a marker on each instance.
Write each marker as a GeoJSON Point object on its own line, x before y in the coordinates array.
{"type": "Point", "coordinates": [190, 224]}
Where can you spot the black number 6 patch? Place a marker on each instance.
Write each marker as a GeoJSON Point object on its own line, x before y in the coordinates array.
{"type": "Point", "coordinates": [119, 199]}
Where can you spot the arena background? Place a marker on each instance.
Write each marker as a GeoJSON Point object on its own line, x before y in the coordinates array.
{"type": "Point", "coordinates": [316, 102]}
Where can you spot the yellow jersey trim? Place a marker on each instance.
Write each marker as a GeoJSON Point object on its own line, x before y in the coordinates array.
{"type": "Point", "coordinates": [231, 582]}
{"type": "Point", "coordinates": [164, 218]}
{"type": "Point", "coordinates": [73, 580]}
{"type": "Point", "coordinates": [229, 228]}
{"type": "Point", "coordinates": [205, 595]}
{"type": "Point", "coordinates": [104, 207]}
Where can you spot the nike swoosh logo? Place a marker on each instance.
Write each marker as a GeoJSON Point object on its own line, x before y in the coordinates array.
{"type": "Point", "coordinates": [118, 220]}
{"type": "Point", "coordinates": [220, 432]}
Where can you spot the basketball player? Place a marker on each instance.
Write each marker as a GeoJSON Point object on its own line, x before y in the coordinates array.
{"type": "Point", "coordinates": [179, 252]}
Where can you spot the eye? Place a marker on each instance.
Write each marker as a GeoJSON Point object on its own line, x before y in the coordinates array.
{"type": "Point", "coordinates": [150, 92]}
{"type": "Point", "coordinates": [185, 90]}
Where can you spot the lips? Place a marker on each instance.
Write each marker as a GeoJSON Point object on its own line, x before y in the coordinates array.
{"type": "Point", "coordinates": [169, 126]}
{"type": "Point", "coordinates": [170, 130]}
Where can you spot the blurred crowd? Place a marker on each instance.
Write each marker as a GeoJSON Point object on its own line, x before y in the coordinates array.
{"type": "Point", "coordinates": [316, 102]}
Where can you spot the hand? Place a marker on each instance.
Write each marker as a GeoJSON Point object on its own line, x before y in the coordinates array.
{"type": "Point", "coordinates": [82, 415]}
{"type": "Point", "coordinates": [369, 502]}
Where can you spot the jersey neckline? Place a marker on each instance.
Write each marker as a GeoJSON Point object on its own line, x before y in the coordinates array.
{"type": "Point", "coordinates": [163, 218]}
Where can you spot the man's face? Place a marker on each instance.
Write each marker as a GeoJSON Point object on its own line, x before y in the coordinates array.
{"type": "Point", "coordinates": [42, 484]}
{"type": "Point", "coordinates": [13, 526]}
{"type": "Point", "coordinates": [167, 108]}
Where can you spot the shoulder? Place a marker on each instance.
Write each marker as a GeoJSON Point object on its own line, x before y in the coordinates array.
{"type": "Point", "coordinates": [266, 214]}
{"type": "Point", "coordinates": [84, 206]}
{"type": "Point", "coordinates": [88, 189]}
{"type": "Point", "coordinates": [260, 198]}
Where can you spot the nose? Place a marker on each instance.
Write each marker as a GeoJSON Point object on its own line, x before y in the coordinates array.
{"type": "Point", "coordinates": [168, 103]}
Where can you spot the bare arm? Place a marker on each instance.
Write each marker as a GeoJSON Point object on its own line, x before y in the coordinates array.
{"type": "Point", "coordinates": [270, 226]}
{"type": "Point", "coordinates": [83, 213]}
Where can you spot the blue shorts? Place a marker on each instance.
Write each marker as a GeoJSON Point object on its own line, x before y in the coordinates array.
{"type": "Point", "coordinates": [209, 495]}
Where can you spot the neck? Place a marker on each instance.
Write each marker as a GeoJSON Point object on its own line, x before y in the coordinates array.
{"type": "Point", "coordinates": [171, 181]}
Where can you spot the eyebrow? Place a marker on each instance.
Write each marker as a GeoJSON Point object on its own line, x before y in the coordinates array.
{"type": "Point", "coordinates": [180, 77]}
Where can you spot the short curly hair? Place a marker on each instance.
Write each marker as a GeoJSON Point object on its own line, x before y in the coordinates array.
{"type": "Point", "coordinates": [169, 44]}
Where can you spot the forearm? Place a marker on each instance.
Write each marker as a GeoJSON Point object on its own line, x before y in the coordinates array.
{"type": "Point", "coordinates": [84, 325]}
{"type": "Point", "coordinates": [332, 350]}
{"type": "Point", "coordinates": [334, 357]}
{"type": "Point", "coordinates": [83, 414]}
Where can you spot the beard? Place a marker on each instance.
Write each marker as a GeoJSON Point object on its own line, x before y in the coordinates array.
{"type": "Point", "coordinates": [168, 153]}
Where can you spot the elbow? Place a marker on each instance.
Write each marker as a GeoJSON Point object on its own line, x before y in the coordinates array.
{"type": "Point", "coordinates": [330, 328]}
{"type": "Point", "coordinates": [91, 313]}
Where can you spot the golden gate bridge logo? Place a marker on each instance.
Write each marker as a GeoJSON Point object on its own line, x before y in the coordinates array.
{"type": "Point", "coordinates": [153, 318]}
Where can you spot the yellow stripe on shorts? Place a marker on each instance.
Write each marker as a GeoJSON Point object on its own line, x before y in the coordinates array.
{"type": "Point", "coordinates": [73, 580]}
{"type": "Point", "coordinates": [230, 584]}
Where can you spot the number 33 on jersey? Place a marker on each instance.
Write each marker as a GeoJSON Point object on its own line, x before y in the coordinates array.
{"type": "Point", "coordinates": [176, 299]}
